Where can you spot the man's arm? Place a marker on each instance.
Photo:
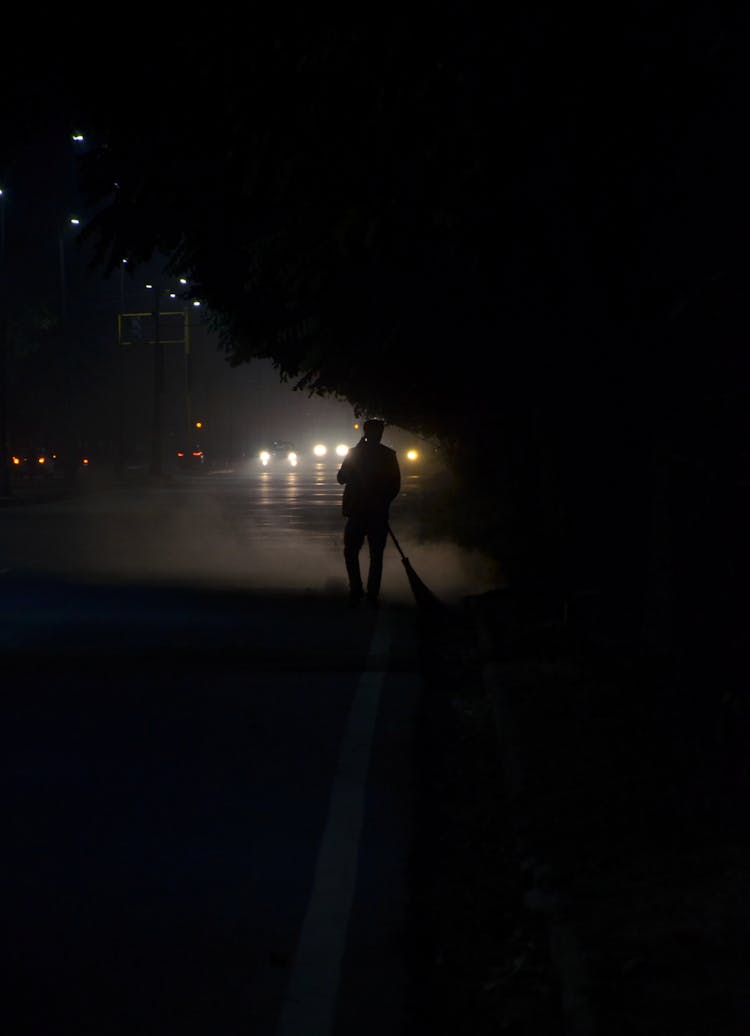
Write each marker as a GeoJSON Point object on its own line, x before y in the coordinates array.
{"type": "Point", "coordinates": [348, 469]}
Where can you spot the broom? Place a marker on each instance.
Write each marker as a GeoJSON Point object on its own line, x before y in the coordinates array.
{"type": "Point", "coordinates": [424, 597]}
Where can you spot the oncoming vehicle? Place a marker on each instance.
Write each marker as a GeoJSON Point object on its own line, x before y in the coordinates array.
{"type": "Point", "coordinates": [279, 452]}
{"type": "Point", "coordinates": [329, 450]}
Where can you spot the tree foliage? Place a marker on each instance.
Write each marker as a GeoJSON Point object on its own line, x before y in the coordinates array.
{"type": "Point", "coordinates": [383, 205]}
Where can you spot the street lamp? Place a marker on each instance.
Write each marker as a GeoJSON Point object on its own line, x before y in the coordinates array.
{"type": "Point", "coordinates": [69, 437]}
{"type": "Point", "coordinates": [4, 447]}
{"type": "Point", "coordinates": [72, 221]}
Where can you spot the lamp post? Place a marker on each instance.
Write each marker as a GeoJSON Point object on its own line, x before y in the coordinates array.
{"type": "Point", "coordinates": [189, 365]}
{"type": "Point", "coordinates": [4, 446]}
{"type": "Point", "coordinates": [70, 461]}
{"type": "Point", "coordinates": [73, 221]}
{"type": "Point", "coordinates": [157, 448]}
{"type": "Point", "coordinates": [119, 378]}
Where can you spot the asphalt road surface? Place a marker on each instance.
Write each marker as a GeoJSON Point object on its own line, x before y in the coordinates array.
{"type": "Point", "coordinates": [208, 760]}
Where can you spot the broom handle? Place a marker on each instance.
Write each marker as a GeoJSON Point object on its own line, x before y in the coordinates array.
{"type": "Point", "coordinates": [398, 547]}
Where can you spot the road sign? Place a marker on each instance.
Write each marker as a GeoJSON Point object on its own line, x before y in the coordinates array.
{"type": "Point", "coordinates": [138, 328]}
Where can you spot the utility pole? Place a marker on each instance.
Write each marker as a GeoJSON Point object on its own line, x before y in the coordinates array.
{"type": "Point", "coordinates": [70, 438]}
{"type": "Point", "coordinates": [4, 445]}
{"type": "Point", "coordinates": [156, 424]}
{"type": "Point", "coordinates": [188, 377]}
{"type": "Point", "coordinates": [119, 378]}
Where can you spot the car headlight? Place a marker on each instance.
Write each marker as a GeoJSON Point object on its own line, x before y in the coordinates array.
{"type": "Point", "coordinates": [412, 455]}
{"type": "Point", "coordinates": [292, 458]}
{"type": "Point", "coordinates": [342, 450]}
{"type": "Point", "coordinates": [319, 450]}
{"type": "Point", "coordinates": [265, 456]}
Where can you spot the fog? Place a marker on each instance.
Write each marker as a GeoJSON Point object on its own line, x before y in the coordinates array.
{"type": "Point", "coordinates": [231, 527]}
{"type": "Point", "coordinates": [202, 536]}
{"type": "Point", "coordinates": [240, 408]}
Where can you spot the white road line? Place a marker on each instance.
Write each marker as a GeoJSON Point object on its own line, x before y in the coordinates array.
{"type": "Point", "coordinates": [310, 998]}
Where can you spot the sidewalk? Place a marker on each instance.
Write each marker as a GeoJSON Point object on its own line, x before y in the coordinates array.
{"type": "Point", "coordinates": [630, 806]}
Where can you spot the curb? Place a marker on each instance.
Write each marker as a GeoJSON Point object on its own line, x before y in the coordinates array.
{"type": "Point", "coordinates": [542, 896]}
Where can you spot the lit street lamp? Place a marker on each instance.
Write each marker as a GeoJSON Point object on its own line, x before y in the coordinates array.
{"type": "Point", "coordinates": [69, 447]}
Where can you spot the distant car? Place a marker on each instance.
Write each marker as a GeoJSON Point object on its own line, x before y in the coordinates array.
{"type": "Point", "coordinates": [279, 452]}
{"type": "Point", "coordinates": [191, 460]}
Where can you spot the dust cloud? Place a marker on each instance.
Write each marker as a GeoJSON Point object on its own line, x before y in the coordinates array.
{"type": "Point", "coordinates": [205, 537]}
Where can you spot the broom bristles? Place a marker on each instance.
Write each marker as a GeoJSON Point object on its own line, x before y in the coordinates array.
{"type": "Point", "coordinates": [422, 593]}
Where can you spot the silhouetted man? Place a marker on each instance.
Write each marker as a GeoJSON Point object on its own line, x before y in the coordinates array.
{"type": "Point", "coordinates": [372, 479]}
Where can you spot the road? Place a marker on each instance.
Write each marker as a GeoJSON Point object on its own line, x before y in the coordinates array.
{"type": "Point", "coordinates": [209, 764]}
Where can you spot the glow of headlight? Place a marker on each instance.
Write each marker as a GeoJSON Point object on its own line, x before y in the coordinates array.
{"type": "Point", "coordinates": [342, 450]}
{"type": "Point", "coordinates": [412, 455]}
{"type": "Point", "coordinates": [319, 450]}
{"type": "Point", "coordinates": [292, 458]}
{"type": "Point", "coordinates": [265, 456]}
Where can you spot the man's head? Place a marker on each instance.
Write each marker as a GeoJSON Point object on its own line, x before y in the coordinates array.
{"type": "Point", "coordinates": [373, 429]}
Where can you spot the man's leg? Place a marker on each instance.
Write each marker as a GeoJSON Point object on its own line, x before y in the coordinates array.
{"type": "Point", "coordinates": [377, 534]}
{"type": "Point", "coordinates": [354, 537]}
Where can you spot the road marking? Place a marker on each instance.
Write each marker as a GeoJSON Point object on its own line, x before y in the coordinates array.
{"type": "Point", "coordinates": [311, 994]}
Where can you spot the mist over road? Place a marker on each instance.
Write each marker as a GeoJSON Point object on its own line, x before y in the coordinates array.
{"type": "Point", "coordinates": [254, 528]}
